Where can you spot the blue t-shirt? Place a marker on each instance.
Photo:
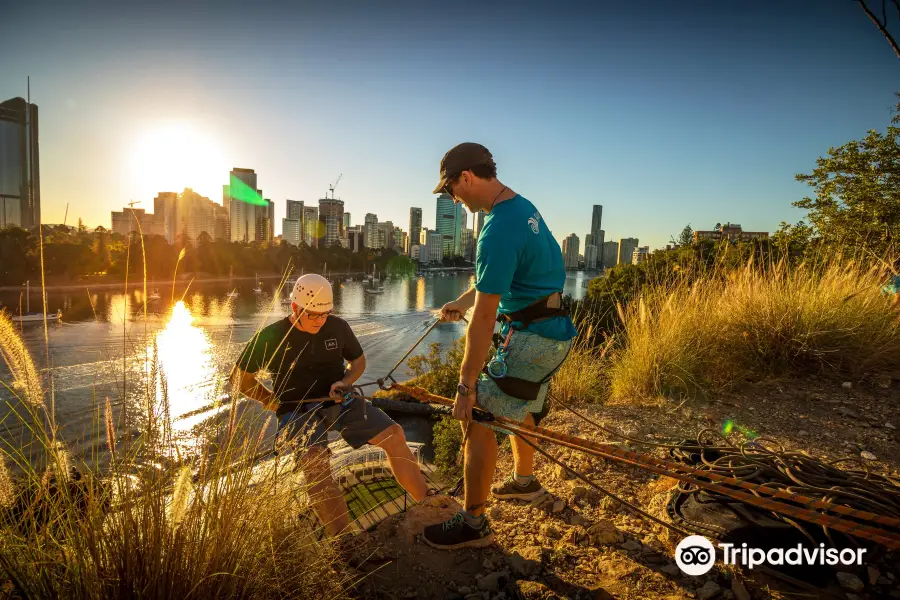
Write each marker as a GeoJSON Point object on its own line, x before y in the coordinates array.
{"type": "Point", "coordinates": [519, 259]}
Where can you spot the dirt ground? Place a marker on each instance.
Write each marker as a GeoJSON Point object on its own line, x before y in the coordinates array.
{"type": "Point", "coordinates": [577, 543]}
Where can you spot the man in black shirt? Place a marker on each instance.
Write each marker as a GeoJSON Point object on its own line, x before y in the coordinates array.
{"type": "Point", "coordinates": [305, 355]}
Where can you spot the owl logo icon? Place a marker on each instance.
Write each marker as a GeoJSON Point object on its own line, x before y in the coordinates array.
{"type": "Point", "coordinates": [533, 223]}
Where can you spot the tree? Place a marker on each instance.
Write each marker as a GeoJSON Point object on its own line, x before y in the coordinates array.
{"type": "Point", "coordinates": [857, 193]}
{"type": "Point", "coordinates": [685, 238]}
{"type": "Point", "coordinates": [882, 24]}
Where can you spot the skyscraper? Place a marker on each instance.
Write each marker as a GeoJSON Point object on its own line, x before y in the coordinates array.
{"type": "Point", "coordinates": [570, 251]}
{"type": "Point", "coordinates": [346, 222]}
{"type": "Point", "coordinates": [370, 230]}
{"type": "Point", "coordinates": [596, 225]}
{"type": "Point", "coordinates": [468, 245]}
{"type": "Point", "coordinates": [591, 254]}
{"type": "Point", "coordinates": [450, 219]}
{"type": "Point", "coordinates": [331, 216]}
{"type": "Point", "coordinates": [415, 226]}
{"type": "Point", "coordinates": [356, 238]}
{"type": "Point", "coordinates": [610, 254]}
{"type": "Point", "coordinates": [311, 226]}
{"type": "Point", "coordinates": [252, 218]}
{"type": "Point", "coordinates": [20, 179]}
{"type": "Point", "coordinates": [291, 231]}
{"type": "Point", "coordinates": [626, 250]}
{"type": "Point", "coordinates": [294, 210]}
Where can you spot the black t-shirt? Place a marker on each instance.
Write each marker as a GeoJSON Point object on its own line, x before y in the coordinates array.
{"type": "Point", "coordinates": [302, 365]}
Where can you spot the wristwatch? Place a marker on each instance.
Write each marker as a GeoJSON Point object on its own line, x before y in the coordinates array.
{"type": "Point", "coordinates": [463, 390]}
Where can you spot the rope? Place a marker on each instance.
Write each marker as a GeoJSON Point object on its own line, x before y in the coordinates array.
{"type": "Point", "coordinates": [758, 494]}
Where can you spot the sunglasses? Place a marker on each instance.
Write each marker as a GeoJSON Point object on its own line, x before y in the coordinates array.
{"type": "Point", "coordinates": [448, 189]}
{"type": "Point", "coordinates": [317, 316]}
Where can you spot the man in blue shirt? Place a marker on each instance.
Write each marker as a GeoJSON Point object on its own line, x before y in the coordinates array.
{"type": "Point", "coordinates": [519, 280]}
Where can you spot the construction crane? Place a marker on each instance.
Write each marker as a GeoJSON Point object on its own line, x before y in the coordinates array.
{"type": "Point", "coordinates": [334, 185]}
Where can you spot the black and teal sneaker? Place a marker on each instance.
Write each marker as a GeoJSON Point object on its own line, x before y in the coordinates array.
{"type": "Point", "coordinates": [456, 533]}
{"type": "Point", "coordinates": [511, 490]}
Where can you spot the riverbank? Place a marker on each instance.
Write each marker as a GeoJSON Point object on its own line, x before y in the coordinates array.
{"type": "Point", "coordinates": [104, 284]}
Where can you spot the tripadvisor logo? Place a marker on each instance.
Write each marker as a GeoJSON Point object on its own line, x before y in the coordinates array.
{"type": "Point", "coordinates": [695, 555]}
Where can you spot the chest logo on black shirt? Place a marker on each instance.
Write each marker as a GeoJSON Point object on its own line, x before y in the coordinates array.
{"type": "Point", "coordinates": [331, 344]}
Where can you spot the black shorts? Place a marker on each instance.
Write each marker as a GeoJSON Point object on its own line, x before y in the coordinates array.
{"type": "Point", "coordinates": [357, 423]}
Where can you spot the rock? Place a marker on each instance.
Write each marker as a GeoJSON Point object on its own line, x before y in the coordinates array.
{"type": "Point", "coordinates": [561, 473]}
{"type": "Point", "coordinates": [727, 595]}
{"type": "Point", "coordinates": [558, 506]}
{"type": "Point", "coordinates": [577, 519]}
{"type": "Point", "coordinates": [631, 546]}
{"type": "Point", "coordinates": [847, 385]}
{"type": "Point", "coordinates": [874, 574]}
{"type": "Point", "coordinates": [802, 432]}
{"type": "Point", "coordinates": [851, 582]}
{"type": "Point", "coordinates": [883, 581]}
{"type": "Point", "coordinates": [493, 582]}
{"type": "Point", "coordinates": [541, 501]}
{"type": "Point", "coordinates": [533, 590]}
{"type": "Point", "coordinates": [739, 591]}
{"type": "Point", "coordinates": [883, 381]}
{"type": "Point", "coordinates": [527, 561]}
{"type": "Point", "coordinates": [672, 570]}
{"type": "Point", "coordinates": [709, 590]}
{"type": "Point", "coordinates": [579, 491]}
{"type": "Point", "coordinates": [549, 530]}
{"type": "Point", "coordinates": [604, 533]}
{"type": "Point", "coordinates": [846, 412]}
{"type": "Point", "coordinates": [868, 455]}
{"type": "Point", "coordinates": [890, 426]}
{"type": "Point", "coordinates": [464, 590]}
{"type": "Point", "coordinates": [853, 597]}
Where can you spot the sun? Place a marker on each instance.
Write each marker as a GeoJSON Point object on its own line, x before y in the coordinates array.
{"type": "Point", "coordinates": [169, 156]}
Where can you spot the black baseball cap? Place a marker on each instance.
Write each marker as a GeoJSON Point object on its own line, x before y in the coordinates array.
{"type": "Point", "coordinates": [460, 158]}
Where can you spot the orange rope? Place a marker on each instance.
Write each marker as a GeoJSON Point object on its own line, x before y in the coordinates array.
{"type": "Point", "coordinates": [688, 474]}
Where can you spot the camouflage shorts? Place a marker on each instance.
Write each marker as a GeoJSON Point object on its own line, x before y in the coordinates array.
{"type": "Point", "coordinates": [531, 357]}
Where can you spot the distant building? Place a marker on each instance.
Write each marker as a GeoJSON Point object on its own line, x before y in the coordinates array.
{"type": "Point", "coordinates": [399, 240]}
{"type": "Point", "coordinates": [610, 254]}
{"type": "Point", "coordinates": [415, 226]}
{"type": "Point", "coordinates": [639, 255]}
{"type": "Point", "coordinates": [468, 245]}
{"type": "Point", "coordinates": [177, 217]}
{"type": "Point", "coordinates": [626, 250]}
{"type": "Point", "coordinates": [415, 252]}
{"type": "Point", "coordinates": [596, 227]}
{"type": "Point", "coordinates": [371, 230]}
{"type": "Point", "coordinates": [20, 174]}
{"type": "Point", "coordinates": [294, 209]}
{"type": "Point", "coordinates": [331, 218]}
{"type": "Point", "coordinates": [133, 220]}
{"type": "Point", "coordinates": [251, 217]}
{"type": "Point", "coordinates": [591, 254]}
{"type": "Point", "coordinates": [570, 251]}
{"type": "Point", "coordinates": [732, 232]}
{"type": "Point", "coordinates": [311, 226]}
{"type": "Point", "coordinates": [346, 222]}
{"type": "Point", "coordinates": [292, 231]}
{"type": "Point", "coordinates": [356, 238]}
{"type": "Point", "coordinates": [384, 235]}
{"type": "Point", "coordinates": [434, 247]}
{"type": "Point", "coordinates": [450, 220]}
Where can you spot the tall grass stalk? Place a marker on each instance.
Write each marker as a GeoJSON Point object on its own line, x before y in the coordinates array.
{"type": "Point", "coordinates": [756, 322]}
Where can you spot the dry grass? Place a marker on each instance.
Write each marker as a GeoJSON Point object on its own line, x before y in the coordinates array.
{"type": "Point", "coordinates": [757, 322]}
{"type": "Point", "coordinates": [583, 376]}
{"type": "Point", "coordinates": [215, 527]}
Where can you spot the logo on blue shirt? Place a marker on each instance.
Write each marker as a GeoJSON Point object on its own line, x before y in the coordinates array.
{"type": "Point", "coordinates": [533, 222]}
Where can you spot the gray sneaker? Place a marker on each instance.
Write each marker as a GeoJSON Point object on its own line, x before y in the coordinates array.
{"type": "Point", "coordinates": [510, 490]}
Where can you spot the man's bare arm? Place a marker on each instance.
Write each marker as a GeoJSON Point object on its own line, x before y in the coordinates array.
{"type": "Point", "coordinates": [251, 387]}
{"type": "Point", "coordinates": [355, 370]}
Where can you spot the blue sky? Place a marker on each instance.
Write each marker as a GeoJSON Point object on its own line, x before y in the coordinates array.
{"type": "Point", "coordinates": [665, 115]}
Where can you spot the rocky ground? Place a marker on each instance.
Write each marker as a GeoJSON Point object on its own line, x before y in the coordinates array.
{"type": "Point", "coordinates": [578, 543]}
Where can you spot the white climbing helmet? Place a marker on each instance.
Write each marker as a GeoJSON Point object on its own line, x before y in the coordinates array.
{"type": "Point", "coordinates": [313, 293]}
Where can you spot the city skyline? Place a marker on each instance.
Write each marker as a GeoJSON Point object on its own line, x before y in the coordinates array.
{"type": "Point", "coordinates": [624, 109]}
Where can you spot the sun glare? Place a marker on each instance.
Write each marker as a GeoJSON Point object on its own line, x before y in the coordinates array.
{"type": "Point", "coordinates": [172, 155]}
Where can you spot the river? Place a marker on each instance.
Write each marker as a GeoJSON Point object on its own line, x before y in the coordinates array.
{"type": "Point", "coordinates": [180, 353]}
